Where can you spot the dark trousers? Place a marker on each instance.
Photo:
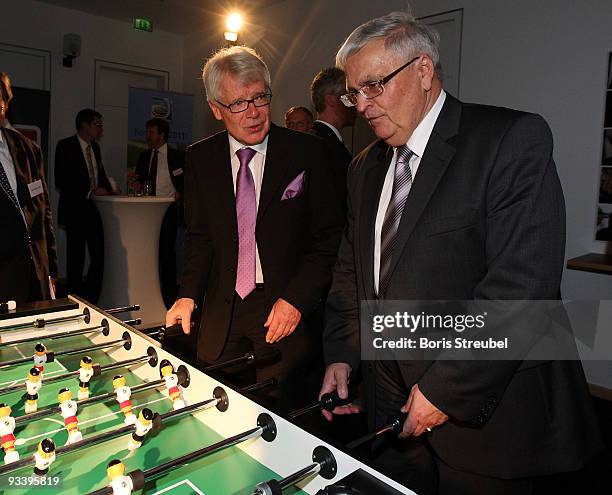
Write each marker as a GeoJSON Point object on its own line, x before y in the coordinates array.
{"type": "Point", "coordinates": [293, 366]}
{"type": "Point", "coordinates": [167, 255]}
{"type": "Point", "coordinates": [86, 231]}
{"type": "Point", "coordinates": [412, 462]}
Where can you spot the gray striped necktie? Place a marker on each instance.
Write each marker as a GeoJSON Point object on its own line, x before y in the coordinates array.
{"type": "Point", "coordinates": [402, 181]}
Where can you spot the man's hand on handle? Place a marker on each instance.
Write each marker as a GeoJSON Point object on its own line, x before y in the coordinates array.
{"type": "Point", "coordinates": [337, 379]}
{"type": "Point", "coordinates": [422, 414]}
{"type": "Point", "coordinates": [180, 312]}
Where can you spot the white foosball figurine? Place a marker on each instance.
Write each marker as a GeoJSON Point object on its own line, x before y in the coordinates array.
{"type": "Point", "coordinates": [143, 426]}
{"type": "Point", "coordinates": [85, 373]}
{"type": "Point", "coordinates": [119, 482]}
{"type": "Point", "coordinates": [33, 385]}
{"type": "Point", "coordinates": [68, 408]}
{"type": "Point", "coordinates": [174, 391]}
{"type": "Point", "coordinates": [123, 393]}
{"type": "Point", "coordinates": [44, 457]}
{"type": "Point", "coordinates": [7, 438]}
{"type": "Point", "coordinates": [40, 357]}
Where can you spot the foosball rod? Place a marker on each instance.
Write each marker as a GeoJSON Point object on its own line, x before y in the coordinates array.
{"type": "Point", "coordinates": [109, 435]}
{"type": "Point", "coordinates": [266, 429]}
{"type": "Point", "coordinates": [84, 350]}
{"type": "Point", "coordinates": [98, 370]}
{"type": "Point", "coordinates": [328, 402]}
{"type": "Point", "coordinates": [395, 426]}
{"type": "Point", "coordinates": [324, 464]}
{"type": "Point", "coordinates": [122, 309]}
{"type": "Point", "coordinates": [41, 322]}
{"type": "Point", "coordinates": [59, 335]}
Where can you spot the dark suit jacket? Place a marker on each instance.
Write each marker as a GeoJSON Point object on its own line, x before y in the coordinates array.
{"type": "Point", "coordinates": [485, 219]}
{"type": "Point", "coordinates": [340, 157]}
{"type": "Point", "coordinates": [32, 241]}
{"type": "Point", "coordinates": [72, 179]}
{"type": "Point", "coordinates": [297, 238]}
{"type": "Point", "coordinates": [176, 164]}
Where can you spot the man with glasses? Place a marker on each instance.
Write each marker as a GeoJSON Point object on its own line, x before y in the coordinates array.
{"type": "Point", "coordinates": [80, 175]}
{"type": "Point", "coordinates": [453, 202]}
{"type": "Point", "coordinates": [263, 227]}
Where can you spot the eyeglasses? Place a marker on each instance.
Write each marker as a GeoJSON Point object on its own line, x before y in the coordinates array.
{"type": "Point", "coordinates": [372, 89]}
{"type": "Point", "coordinates": [242, 105]}
{"type": "Point", "coordinates": [98, 124]}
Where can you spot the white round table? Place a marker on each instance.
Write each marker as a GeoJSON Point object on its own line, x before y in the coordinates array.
{"type": "Point", "coordinates": [131, 254]}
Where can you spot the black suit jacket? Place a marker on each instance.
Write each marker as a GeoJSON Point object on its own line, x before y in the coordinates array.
{"type": "Point", "coordinates": [340, 157]}
{"type": "Point", "coordinates": [297, 238]}
{"type": "Point", "coordinates": [485, 219]}
{"type": "Point", "coordinates": [30, 242]}
{"type": "Point", "coordinates": [72, 179]}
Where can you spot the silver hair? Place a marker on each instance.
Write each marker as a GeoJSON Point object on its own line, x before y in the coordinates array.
{"type": "Point", "coordinates": [330, 81]}
{"type": "Point", "coordinates": [240, 62]}
{"type": "Point", "coordinates": [402, 34]}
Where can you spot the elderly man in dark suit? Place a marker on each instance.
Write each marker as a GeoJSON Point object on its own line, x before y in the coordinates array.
{"type": "Point", "coordinates": [161, 166]}
{"type": "Point", "coordinates": [263, 227]}
{"type": "Point", "coordinates": [27, 250]}
{"type": "Point", "coordinates": [80, 175]}
{"type": "Point", "coordinates": [333, 116]}
{"type": "Point", "coordinates": [458, 202]}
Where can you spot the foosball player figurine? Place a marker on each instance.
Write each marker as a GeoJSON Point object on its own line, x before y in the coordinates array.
{"type": "Point", "coordinates": [33, 385]}
{"type": "Point", "coordinates": [40, 357]}
{"type": "Point", "coordinates": [119, 482]}
{"type": "Point", "coordinates": [174, 392]}
{"type": "Point", "coordinates": [44, 457]}
{"type": "Point", "coordinates": [85, 373]}
{"type": "Point", "coordinates": [143, 426]}
{"type": "Point", "coordinates": [68, 408]}
{"type": "Point", "coordinates": [7, 439]}
{"type": "Point", "coordinates": [123, 393]}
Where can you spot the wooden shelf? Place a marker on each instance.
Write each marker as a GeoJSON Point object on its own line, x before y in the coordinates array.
{"type": "Point", "coordinates": [592, 262]}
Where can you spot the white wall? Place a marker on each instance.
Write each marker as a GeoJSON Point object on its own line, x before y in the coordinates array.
{"type": "Point", "coordinates": [40, 25]}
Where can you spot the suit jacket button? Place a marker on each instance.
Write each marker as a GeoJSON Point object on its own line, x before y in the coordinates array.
{"type": "Point", "coordinates": [370, 368]}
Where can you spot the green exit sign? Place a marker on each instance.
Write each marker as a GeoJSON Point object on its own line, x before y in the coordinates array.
{"type": "Point", "coordinates": [143, 24]}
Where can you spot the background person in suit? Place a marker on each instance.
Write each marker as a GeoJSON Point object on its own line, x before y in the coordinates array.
{"type": "Point", "coordinates": [332, 117]}
{"type": "Point", "coordinates": [299, 119]}
{"type": "Point", "coordinates": [80, 175]}
{"type": "Point", "coordinates": [454, 201]}
{"type": "Point", "coordinates": [162, 166]}
{"type": "Point", "coordinates": [263, 227]}
{"type": "Point", "coordinates": [27, 249]}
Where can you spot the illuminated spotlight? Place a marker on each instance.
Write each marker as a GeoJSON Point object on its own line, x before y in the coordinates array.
{"type": "Point", "coordinates": [234, 23]}
{"type": "Point", "coordinates": [230, 36]}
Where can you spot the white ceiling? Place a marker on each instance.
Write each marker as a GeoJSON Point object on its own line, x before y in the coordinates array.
{"type": "Point", "coordinates": [175, 16]}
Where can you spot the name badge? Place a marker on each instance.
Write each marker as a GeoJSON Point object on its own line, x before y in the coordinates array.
{"type": "Point", "coordinates": [35, 188]}
{"type": "Point", "coordinates": [176, 172]}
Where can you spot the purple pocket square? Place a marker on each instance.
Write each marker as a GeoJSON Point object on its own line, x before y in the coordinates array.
{"type": "Point", "coordinates": [295, 187]}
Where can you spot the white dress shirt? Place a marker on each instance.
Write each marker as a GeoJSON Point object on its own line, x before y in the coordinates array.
{"type": "Point", "coordinates": [7, 163]}
{"type": "Point", "coordinates": [163, 182]}
{"type": "Point", "coordinates": [417, 143]}
{"type": "Point", "coordinates": [84, 144]}
{"type": "Point", "coordinates": [256, 165]}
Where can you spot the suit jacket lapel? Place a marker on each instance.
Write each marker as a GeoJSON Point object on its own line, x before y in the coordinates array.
{"type": "Point", "coordinates": [23, 194]}
{"type": "Point", "coordinates": [223, 183]}
{"type": "Point", "coordinates": [277, 154]}
{"type": "Point", "coordinates": [373, 183]}
{"type": "Point", "coordinates": [436, 158]}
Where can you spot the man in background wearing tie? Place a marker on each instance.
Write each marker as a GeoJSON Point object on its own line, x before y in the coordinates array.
{"type": "Point", "coordinates": [79, 175]}
{"type": "Point", "coordinates": [263, 226]}
{"type": "Point", "coordinates": [27, 250]}
{"type": "Point", "coordinates": [161, 167]}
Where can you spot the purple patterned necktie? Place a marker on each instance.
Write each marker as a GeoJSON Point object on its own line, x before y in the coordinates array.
{"type": "Point", "coordinates": [246, 214]}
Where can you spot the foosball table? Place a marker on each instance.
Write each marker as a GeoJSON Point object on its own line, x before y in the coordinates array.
{"type": "Point", "coordinates": [88, 404]}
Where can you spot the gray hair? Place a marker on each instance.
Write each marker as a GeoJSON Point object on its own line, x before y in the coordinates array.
{"type": "Point", "coordinates": [330, 81]}
{"type": "Point", "coordinates": [402, 34]}
{"type": "Point", "coordinates": [240, 62]}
